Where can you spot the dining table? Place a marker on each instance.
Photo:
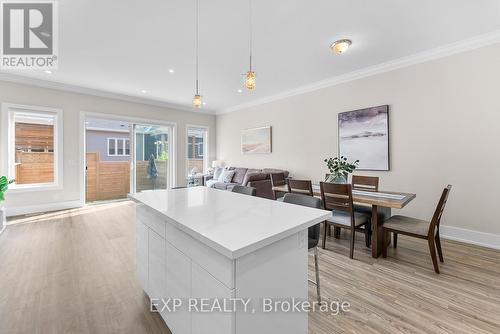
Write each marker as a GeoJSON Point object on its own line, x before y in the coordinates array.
{"type": "Point", "coordinates": [378, 201]}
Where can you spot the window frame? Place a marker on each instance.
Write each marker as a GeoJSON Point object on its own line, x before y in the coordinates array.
{"type": "Point", "coordinates": [8, 146]}
{"type": "Point", "coordinates": [205, 129]}
{"type": "Point", "coordinates": [124, 146]}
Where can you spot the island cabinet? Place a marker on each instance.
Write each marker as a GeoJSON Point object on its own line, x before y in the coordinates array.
{"type": "Point", "coordinates": [189, 254]}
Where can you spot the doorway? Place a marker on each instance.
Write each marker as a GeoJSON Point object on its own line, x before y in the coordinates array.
{"type": "Point", "coordinates": [152, 158]}
{"type": "Point", "coordinates": [107, 155]}
{"type": "Point", "coordinates": [123, 155]}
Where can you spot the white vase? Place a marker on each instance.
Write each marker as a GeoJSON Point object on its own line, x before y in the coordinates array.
{"type": "Point", "coordinates": [3, 219]}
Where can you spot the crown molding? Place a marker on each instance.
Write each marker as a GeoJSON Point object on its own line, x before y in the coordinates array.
{"type": "Point", "coordinates": [21, 79]}
{"type": "Point", "coordinates": [422, 57]}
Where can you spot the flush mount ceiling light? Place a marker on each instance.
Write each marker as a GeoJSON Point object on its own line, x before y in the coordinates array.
{"type": "Point", "coordinates": [340, 46]}
{"type": "Point", "coordinates": [197, 96]}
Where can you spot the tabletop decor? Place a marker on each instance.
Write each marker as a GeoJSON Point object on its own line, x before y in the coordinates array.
{"type": "Point", "coordinates": [364, 134]}
{"type": "Point", "coordinates": [339, 169]}
{"type": "Point", "coordinates": [4, 185]}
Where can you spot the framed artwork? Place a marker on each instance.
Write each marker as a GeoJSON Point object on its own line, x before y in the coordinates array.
{"type": "Point", "coordinates": [256, 141]}
{"type": "Point", "coordinates": [364, 135]}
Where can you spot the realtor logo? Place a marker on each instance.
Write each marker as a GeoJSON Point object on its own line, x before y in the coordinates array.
{"type": "Point", "coordinates": [29, 35]}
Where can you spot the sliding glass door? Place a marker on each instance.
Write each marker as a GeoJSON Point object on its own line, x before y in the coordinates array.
{"type": "Point", "coordinates": [152, 163]}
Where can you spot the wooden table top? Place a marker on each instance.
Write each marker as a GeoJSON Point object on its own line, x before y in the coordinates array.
{"type": "Point", "coordinates": [388, 199]}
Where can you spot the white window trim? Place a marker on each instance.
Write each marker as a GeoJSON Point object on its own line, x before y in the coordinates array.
{"type": "Point", "coordinates": [116, 147]}
{"type": "Point", "coordinates": [206, 143]}
{"type": "Point", "coordinates": [8, 129]}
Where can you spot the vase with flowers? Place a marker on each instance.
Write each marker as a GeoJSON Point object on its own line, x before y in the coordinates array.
{"type": "Point", "coordinates": [339, 169]}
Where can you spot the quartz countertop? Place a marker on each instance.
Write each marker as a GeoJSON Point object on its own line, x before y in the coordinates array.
{"type": "Point", "coordinates": [233, 224]}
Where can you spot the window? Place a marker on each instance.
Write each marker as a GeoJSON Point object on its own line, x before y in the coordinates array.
{"type": "Point", "coordinates": [33, 142]}
{"type": "Point", "coordinates": [118, 147]}
{"type": "Point", "coordinates": [196, 149]}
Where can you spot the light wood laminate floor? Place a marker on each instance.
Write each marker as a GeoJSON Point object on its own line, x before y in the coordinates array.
{"type": "Point", "coordinates": [74, 272]}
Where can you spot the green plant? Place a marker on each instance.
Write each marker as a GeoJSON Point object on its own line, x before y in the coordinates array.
{"type": "Point", "coordinates": [163, 155]}
{"type": "Point", "coordinates": [340, 167]}
{"type": "Point", "coordinates": [4, 185]}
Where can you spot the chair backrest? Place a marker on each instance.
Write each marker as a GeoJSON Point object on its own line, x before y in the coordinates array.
{"type": "Point", "coordinates": [244, 190]}
{"type": "Point", "coordinates": [366, 183]}
{"type": "Point", "coordinates": [436, 218]}
{"type": "Point", "coordinates": [336, 196]}
{"type": "Point", "coordinates": [277, 179]}
{"type": "Point", "coordinates": [309, 201]}
{"type": "Point", "coordinates": [303, 187]}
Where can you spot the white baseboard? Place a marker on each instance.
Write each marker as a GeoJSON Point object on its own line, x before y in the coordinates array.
{"type": "Point", "coordinates": [24, 210]}
{"type": "Point", "coordinates": [488, 240]}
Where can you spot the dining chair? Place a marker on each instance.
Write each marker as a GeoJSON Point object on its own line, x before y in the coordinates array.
{"type": "Point", "coordinates": [278, 179]}
{"type": "Point", "coordinates": [418, 228]}
{"type": "Point", "coordinates": [244, 190]}
{"type": "Point", "coordinates": [364, 183]}
{"type": "Point", "coordinates": [338, 199]}
{"type": "Point", "coordinates": [312, 232]}
{"type": "Point", "coordinates": [303, 187]}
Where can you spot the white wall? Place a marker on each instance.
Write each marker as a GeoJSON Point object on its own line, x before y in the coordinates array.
{"type": "Point", "coordinates": [72, 104]}
{"type": "Point", "coordinates": [444, 128]}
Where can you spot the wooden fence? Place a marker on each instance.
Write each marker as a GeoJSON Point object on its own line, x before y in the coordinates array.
{"type": "Point", "coordinates": [106, 180]}
{"type": "Point", "coordinates": [142, 180]}
{"type": "Point", "coordinates": [34, 167]}
{"type": "Point", "coordinates": [194, 163]}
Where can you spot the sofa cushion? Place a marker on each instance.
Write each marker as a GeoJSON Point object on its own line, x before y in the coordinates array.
{"type": "Point", "coordinates": [239, 175]}
{"type": "Point", "coordinates": [222, 185]}
{"type": "Point", "coordinates": [217, 172]}
{"type": "Point", "coordinates": [211, 183]}
{"type": "Point", "coordinates": [274, 170]}
{"type": "Point", "coordinates": [254, 176]}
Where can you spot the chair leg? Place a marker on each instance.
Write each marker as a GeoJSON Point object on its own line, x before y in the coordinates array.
{"type": "Point", "coordinates": [439, 249]}
{"type": "Point", "coordinates": [384, 243]}
{"type": "Point", "coordinates": [316, 267]}
{"type": "Point", "coordinates": [367, 236]}
{"type": "Point", "coordinates": [336, 232]}
{"type": "Point", "coordinates": [330, 231]}
{"type": "Point", "coordinates": [432, 249]}
{"type": "Point", "coordinates": [395, 237]}
{"type": "Point", "coordinates": [353, 236]}
{"type": "Point", "coordinates": [324, 233]}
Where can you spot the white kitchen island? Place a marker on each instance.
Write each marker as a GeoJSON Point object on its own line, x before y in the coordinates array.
{"type": "Point", "coordinates": [201, 244]}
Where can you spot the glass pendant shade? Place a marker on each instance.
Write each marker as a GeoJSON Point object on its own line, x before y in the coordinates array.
{"type": "Point", "coordinates": [250, 80]}
{"type": "Point", "coordinates": [197, 101]}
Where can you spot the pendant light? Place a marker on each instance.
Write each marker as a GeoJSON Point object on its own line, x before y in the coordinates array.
{"type": "Point", "coordinates": [197, 97]}
{"type": "Point", "coordinates": [250, 75]}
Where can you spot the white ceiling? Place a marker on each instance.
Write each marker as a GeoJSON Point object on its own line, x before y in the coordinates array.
{"type": "Point", "coordinates": [127, 46]}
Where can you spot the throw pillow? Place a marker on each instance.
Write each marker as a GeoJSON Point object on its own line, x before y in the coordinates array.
{"type": "Point", "coordinates": [217, 173]}
{"type": "Point", "coordinates": [226, 176]}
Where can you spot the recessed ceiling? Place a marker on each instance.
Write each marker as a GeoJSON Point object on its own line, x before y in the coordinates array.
{"type": "Point", "coordinates": [129, 46]}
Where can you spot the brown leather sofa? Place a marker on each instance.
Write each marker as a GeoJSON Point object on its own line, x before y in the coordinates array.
{"type": "Point", "coordinates": [260, 179]}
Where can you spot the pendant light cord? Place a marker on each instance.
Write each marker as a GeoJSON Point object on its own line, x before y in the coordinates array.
{"type": "Point", "coordinates": [197, 32]}
{"type": "Point", "coordinates": [250, 30]}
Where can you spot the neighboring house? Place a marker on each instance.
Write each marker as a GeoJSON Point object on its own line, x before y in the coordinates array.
{"type": "Point", "coordinates": [112, 145]}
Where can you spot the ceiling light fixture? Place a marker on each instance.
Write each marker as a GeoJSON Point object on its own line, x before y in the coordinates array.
{"type": "Point", "coordinates": [197, 96]}
{"type": "Point", "coordinates": [240, 90]}
{"type": "Point", "coordinates": [144, 91]}
{"type": "Point", "coordinates": [171, 70]}
{"type": "Point", "coordinates": [250, 75]}
{"type": "Point", "coordinates": [48, 72]}
{"type": "Point", "coordinates": [340, 46]}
